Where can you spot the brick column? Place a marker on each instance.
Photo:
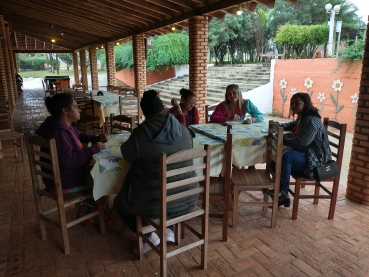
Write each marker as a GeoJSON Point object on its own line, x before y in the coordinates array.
{"type": "Point", "coordinates": [82, 58]}
{"type": "Point", "coordinates": [75, 67]}
{"type": "Point", "coordinates": [358, 175]}
{"type": "Point", "coordinates": [110, 63]}
{"type": "Point", "coordinates": [198, 32]}
{"type": "Point", "coordinates": [6, 55]}
{"type": "Point", "coordinates": [93, 68]}
{"type": "Point", "coordinates": [3, 81]}
{"type": "Point", "coordinates": [139, 56]}
{"type": "Point", "coordinates": [12, 64]}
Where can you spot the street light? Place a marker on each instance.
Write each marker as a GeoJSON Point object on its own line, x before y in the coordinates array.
{"type": "Point", "coordinates": [333, 12]}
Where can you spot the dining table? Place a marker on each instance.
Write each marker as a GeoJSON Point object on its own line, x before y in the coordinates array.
{"type": "Point", "coordinates": [109, 168]}
{"type": "Point", "coordinates": [108, 103]}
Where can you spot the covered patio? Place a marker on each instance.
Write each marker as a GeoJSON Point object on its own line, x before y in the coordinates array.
{"type": "Point", "coordinates": [309, 246]}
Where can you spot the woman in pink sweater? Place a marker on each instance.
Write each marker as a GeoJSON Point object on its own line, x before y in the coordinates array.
{"type": "Point", "coordinates": [235, 108]}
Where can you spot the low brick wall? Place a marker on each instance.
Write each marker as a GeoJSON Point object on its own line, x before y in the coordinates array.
{"type": "Point", "coordinates": [334, 90]}
{"type": "Point", "coordinates": [128, 76]}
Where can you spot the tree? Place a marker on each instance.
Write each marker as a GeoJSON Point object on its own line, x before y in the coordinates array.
{"type": "Point", "coordinates": [67, 58]}
{"type": "Point", "coordinates": [301, 41]}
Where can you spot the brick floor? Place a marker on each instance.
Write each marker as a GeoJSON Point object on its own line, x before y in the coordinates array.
{"type": "Point", "coordinates": [309, 246]}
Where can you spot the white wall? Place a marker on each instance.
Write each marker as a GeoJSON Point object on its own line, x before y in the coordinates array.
{"type": "Point", "coordinates": [261, 97]}
{"type": "Point", "coordinates": [181, 70]}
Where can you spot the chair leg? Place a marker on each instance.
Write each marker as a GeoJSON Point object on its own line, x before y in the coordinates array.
{"type": "Point", "coordinates": [235, 206]}
{"type": "Point", "coordinates": [139, 238]}
{"type": "Point", "coordinates": [163, 251]}
{"type": "Point", "coordinates": [41, 223]}
{"type": "Point", "coordinates": [63, 226]}
{"type": "Point", "coordinates": [332, 206]}
{"type": "Point", "coordinates": [225, 211]}
{"type": "Point", "coordinates": [100, 204]}
{"type": "Point", "coordinates": [316, 192]}
{"type": "Point", "coordinates": [296, 199]}
{"type": "Point", "coordinates": [15, 150]}
{"type": "Point", "coordinates": [177, 233]}
{"type": "Point", "coordinates": [266, 198]}
{"type": "Point", "coordinates": [204, 247]}
{"type": "Point", "coordinates": [274, 210]}
{"type": "Point", "coordinates": [21, 149]}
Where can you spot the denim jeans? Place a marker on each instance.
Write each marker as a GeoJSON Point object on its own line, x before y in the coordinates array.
{"type": "Point", "coordinates": [292, 161]}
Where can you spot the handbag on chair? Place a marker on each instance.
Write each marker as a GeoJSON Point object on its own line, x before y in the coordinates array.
{"type": "Point", "coordinates": [326, 171]}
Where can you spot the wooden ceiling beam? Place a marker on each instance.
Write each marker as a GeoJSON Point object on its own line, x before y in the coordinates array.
{"type": "Point", "coordinates": [185, 4]}
{"type": "Point", "coordinates": [168, 5]}
{"type": "Point", "coordinates": [217, 14]}
{"type": "Point", "coordinates": [156, 13]}
{"type": "Point", "coordinates": [267, 3]}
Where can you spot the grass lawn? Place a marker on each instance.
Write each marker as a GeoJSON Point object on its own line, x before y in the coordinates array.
{"type": "Point", "coordinates": [43, 73]}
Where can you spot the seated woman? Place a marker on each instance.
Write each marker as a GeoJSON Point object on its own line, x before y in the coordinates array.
{"type": "Point", "coordinates": [309, 143]}
{"type": "Point", "coordinates": [72, 156]}
{"type": "Point", "coordinates": [186, 112]}
{"type": "Point", "coordinates": [139, 195]}
{"type": "Point", "coordinates": [235, 108]}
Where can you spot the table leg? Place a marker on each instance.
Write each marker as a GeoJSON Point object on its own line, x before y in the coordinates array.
{"type": "Point", "coordinates": [100, 203]}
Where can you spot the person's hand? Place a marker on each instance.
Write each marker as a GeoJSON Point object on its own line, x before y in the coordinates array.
{"type": "Point", "coordinates": [175, 104]}
{"type": "Point", "coordinates": [103, 138]}
{"type": "Point", "coordinates": [247, 121]}
{"type": "Point", "coordinates": [100, 145]}
{"type": "Point", "coordinates": [236, 117]}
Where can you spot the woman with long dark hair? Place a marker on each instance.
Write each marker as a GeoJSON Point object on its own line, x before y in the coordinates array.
{"type": "Point", "coordinates": [234, 108]}
{"type": "Point", "coordinates": [309, 144]}
{"type": "Point", "coordinates": [185, 111]}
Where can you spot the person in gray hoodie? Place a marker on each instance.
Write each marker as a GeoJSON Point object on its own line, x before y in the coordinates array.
{"type": "Point", "coordinates": [139, 195]}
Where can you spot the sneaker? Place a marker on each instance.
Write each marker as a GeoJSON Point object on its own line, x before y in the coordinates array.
{"type": "Point", "coordinates": [154, 239]}
{"type": "Point", "coordinates": [170, 235]}
{"type": "Point", "coordinates": [283, 195]}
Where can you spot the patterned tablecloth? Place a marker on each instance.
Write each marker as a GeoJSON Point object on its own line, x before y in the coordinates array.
{"type": "Point", "coordinates": [248, 140]}
{"type": "Point", "coordinates": [106, 104]}
{"type": "Point", "coordinates": [109, 167]}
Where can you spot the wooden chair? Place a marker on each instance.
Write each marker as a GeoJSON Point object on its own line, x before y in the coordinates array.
{"type": "Point", "coordinates": [209, 109]}
{"type": "Point", "coordinates": [47, 90]}
{"type": "Point", "coordinates": [122, 90]}
{"type": "Point", "coordinates": [88, 122]}
{"type": "Point", "coordinates": [43, 161]}
{"type": "Point", "coordinates": [122, 123]}
{"type": "Point", "coordinates": [129, 106]}
{"type": "Point", "coordinates": [7, 130]}
{"type": "Point", "coordinates": [161, 224]}
{"type": "Point", "coordinates": [336, 134]}
{"type": "Point", "coordinates": [259, 179]}
{"type": "Point", "coordinates": [220, 186]}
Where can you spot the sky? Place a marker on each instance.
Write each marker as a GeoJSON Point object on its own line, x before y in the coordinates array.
{"type": "Point", "coordinates": [363, 6]}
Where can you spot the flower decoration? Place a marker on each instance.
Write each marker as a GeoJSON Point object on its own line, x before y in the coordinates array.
{"type": "Point", "coordinates": [283, 83]}
{"type": "Point", "coordinates": [308, 83]}
{"type": "Point", "coordinates": [321, 97]}
{"type": "Point", "coordinates": [354, 98]}
{"type": "Point", "coordinates": [337, 85]}
{"type": "Point", "coordinates": [293, 91]}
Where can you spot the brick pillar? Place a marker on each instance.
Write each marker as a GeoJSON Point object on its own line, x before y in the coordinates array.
{"type": "Point", "coordinates": [198, 32]}
{"type": "Point", "coordinates": [110, 63]}
{"type": "Point", "coordinates": [93, 68]}
{"type": "Point", "coordinates": [358, 176]}
{"type": "Point", "coordinates": [6, 56]}
{"type": "Point", "coordinates": [75, 67]}
{"type": "Point", "coordinates": [12, 64]}
{"type": "Point", "coordinates": [82, 58]}
{"type": "Point", "coordinates": [139, 56]}
{"type": "Point", "coordinates": [3, 80]}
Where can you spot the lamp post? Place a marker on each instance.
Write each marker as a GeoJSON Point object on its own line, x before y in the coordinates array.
{"type": "Point", "coordinates": [333, 12]}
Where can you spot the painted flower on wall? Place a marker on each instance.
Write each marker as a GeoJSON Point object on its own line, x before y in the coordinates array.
{"type": "Point", "coordinates": [283, 83]}
{"type": "Point", "coordinates": [354, 98]}
{"type": "Point", "coordinates": [308, 83]}
{"type": "Point", "coordinates": [337, 85]}
{"type": "Point", "coordinates": [321, 98]}
{"type": "Point", "coordinates": [293, 91]}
